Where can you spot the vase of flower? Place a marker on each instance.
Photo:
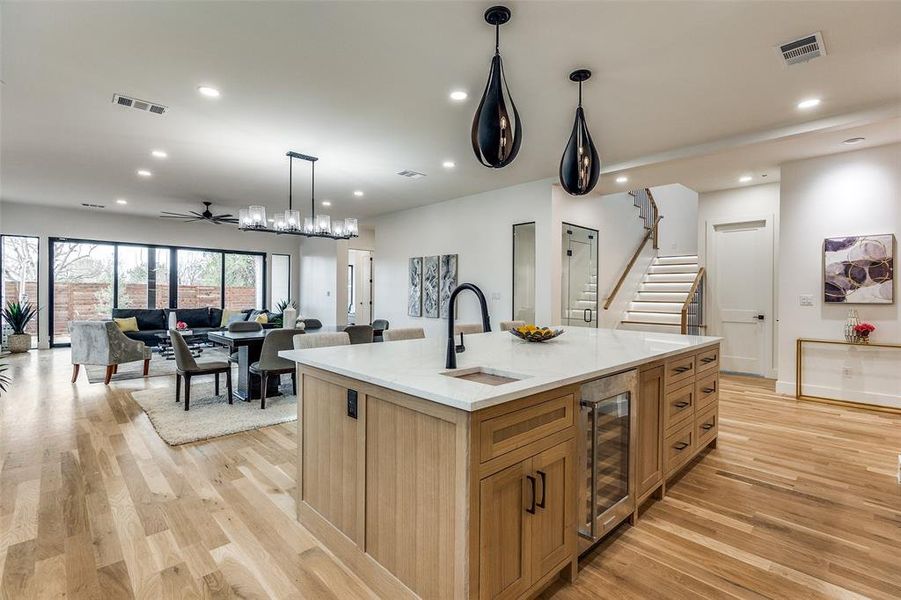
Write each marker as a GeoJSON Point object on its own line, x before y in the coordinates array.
{"type": "Point", "coordinates": [852, 322]}
{"type": "Point", "coordinates": [863, 331]}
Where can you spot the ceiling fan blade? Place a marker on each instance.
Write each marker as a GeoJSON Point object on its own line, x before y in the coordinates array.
{"type": "Point", "coordinates": [197, 214]}
{"type": "Point", "coordinates": [225, 216]}
{"type": "Point", "coordinates": [176, 217]}
{"type": "Point", "coordinates": [172, 214]}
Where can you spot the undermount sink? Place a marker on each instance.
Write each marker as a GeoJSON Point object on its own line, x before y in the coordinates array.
{"type": "Point", "coordinates": [484, 375]}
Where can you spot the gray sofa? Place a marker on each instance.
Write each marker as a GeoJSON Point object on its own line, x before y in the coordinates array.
{"type": "Point", "coordinates": [156, 321]}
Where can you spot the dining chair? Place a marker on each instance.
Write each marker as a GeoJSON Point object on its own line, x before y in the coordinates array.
{"type": "Point", "coordinates": [359, 334]}
{"type": "Point", "coordinates": [186, 367]}
{"type": "Point", "coordinates": [379, 326]}
{"type": "Point", "coordinates": [312, 324]}
{"type": "Point", "coordinates": [321, 340]}
{"type": "Point", "coordinates": [468, 328]}
{"type": "Point", "coordinates": [508, 325]}
{"type": "Point", "coordinates": [271, 363]}
{"type": "Point", "coordinates": [242, 327]}
{"type": "Point", "coordinates": [404, 333]}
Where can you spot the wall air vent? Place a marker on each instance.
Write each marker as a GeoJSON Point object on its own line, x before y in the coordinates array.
{"type": "Point", "coordinates": [411, 174]}
{"type": "Point", "coordinates": [88, 205]}
{"type": "Point", "coordinates": [144, 105]}
{"type": "Point", "coordinates": [802, 49]}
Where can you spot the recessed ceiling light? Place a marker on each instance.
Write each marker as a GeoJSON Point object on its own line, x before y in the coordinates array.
{"type": "Point", "coordinates": [744, 179]}
{"type": "Point", "coordinates": [448, 164]}
{"type": "Point", "coordinates": [358, 193]}
{"type": "Point", "coordinates": [159, 154]}
{"type": "Point", "coordinates": [326, 203]}
{"type": "Point", "coordinates": [209, 92]}
{"type": "Point", "coordinates": [809, 103]}
{"type": "Point", "coordinates": [144, 173]}
{"type": "Point", "coordinates": [458, 95]}
{"type": "Point", "coordinates": [622, 179]}
{"type": "Point", "coordinates": [854, 140]}
{"type": "Point", "coordinates": [121, 201]}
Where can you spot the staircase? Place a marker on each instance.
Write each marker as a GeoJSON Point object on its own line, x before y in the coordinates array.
{"type": "Point", "coordinates": [587, 300]}
{"type": "Point", "coordinates": [663, 293]}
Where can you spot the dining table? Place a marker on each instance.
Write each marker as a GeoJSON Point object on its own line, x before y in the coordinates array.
{"type": "Point", "coordinates": [248, 345]}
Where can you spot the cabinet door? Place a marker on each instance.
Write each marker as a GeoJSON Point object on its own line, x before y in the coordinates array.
{"type": "Point", "coordinates": [649, 454]}
{"type": "Point", "coordinates": [504, 532]}
{"type": "Point", "coordinates": [553, 524]}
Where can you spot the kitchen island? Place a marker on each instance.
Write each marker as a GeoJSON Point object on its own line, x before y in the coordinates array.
{"type": "Point", "coordinates": [472, 483]}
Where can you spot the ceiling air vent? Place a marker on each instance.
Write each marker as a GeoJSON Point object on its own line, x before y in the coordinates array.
{"type": "Point", "coordinates": [411, 174]}
{"type": "Point", "coordinates": [143, 105]}
{"type": "Point", "coordinates": [802, 49]}
{"type": "Point", "coordinates": [88, 205]}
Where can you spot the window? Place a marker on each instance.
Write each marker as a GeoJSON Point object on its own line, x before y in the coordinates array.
{"type": "Point", "coordinates": [82, 284]}
{"type": "Point", "coordinates": [133, 276]}
{"type": "Point", "coordinates": [243, 281]}
{"type": "Point", "coordinates": [19, 271]}
{"type": "Point", "coordinates": [199, 278]}
{"type": "Point", "coordinates": [281, 279]}
{"type": "Point", "coordinates": [158, 281]}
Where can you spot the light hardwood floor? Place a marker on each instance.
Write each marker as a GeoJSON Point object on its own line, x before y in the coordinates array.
{"type": "Point", "coordinates": [798, 501]}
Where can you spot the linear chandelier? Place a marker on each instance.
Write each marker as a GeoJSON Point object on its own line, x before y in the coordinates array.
{"type": "Point", "coordinates": [253, 218]}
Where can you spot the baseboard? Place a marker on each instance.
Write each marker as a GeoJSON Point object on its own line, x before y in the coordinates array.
{"type": "Point", "coordinates": [857, 397]}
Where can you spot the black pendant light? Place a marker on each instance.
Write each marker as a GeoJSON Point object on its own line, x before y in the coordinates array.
{"type": "Point", "coordinates": [580, 167]}
{"type": "Point", "coordinates": [496, 133]}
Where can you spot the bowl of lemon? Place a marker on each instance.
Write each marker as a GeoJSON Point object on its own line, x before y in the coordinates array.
{"type": "Point", "coordinates": [531, 333]}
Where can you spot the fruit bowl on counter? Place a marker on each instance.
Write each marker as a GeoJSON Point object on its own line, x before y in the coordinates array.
{"type": "Point", "coordinates": [531, 333]}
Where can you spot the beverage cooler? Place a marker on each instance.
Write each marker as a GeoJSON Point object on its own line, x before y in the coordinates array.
{"type": "Point", "coordinates": [606, 475]}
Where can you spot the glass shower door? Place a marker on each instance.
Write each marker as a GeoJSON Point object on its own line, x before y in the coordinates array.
{"type": "Point", "coordinates": [580, 276]}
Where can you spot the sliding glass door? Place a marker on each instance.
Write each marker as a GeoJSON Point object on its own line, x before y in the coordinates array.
{"type": "Point", "coordinates": [83, 281]}
{"type": "Point", "coordinates": [244, 281]}
{"type": "Point", "coordinates": [199, 278]}
{"type": "Point", "coordinates": [19, 276]}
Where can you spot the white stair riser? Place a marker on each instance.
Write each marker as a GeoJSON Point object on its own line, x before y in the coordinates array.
{"type": "Point", "coordinates": [658, 307]}
{"type": "Point", "coordinates": [657, 269]}
{"type": "Point", "coordinates": [665, 287]}
{"type": "Point", "coordinates": [661, 296]}
{"type": "Point", "coordinates": [671, 319]}
{"type": "Point", "coordinates": [670, 277]}
{"type": "Point", "coordinates": [676, 260]}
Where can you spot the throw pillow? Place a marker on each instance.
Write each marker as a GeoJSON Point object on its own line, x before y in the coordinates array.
{"type": "Point", "coordinates": [128, 324]}
{"type": "Point", "coordinates": [262, 318]}
{"type": "Point", "coordinates": [228, 316]}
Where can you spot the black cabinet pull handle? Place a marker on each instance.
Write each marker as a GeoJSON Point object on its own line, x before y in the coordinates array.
{"type": "Point", "coordinates": [531, 509]}
{"type": "Point", "coordinates": [682, 369]}
{"type": "Point", "coordinates": [543, 489]}
{"type": "Point", "coordinates": [707, 426]}
{"type": "Point", "coordinates": [708, 359]}
{"type": "Point", "coordinates": [681, 446]}
{"type": "Point", "coordinates": [681, 404]}
{"type": "Point", "coordinates": [709, 390]}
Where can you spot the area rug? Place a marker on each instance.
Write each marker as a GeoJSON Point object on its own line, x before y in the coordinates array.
{"type": "Point", "coordinates": [159, 366]}
{"type": "Point", "coordinates": [211, 416]}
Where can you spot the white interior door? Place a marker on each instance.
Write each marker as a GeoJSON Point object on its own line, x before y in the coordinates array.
{"type": "Point", "coordinates": [360, 289]}
{"type": "Point", "coordinates": [740, 266]}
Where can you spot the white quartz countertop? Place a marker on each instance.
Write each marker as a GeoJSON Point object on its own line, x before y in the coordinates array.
{"type": "Point", "coordinates": [416, 367]}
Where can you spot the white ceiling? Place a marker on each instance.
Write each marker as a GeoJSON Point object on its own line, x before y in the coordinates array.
{"type": "Point", "coordinates": [692, 92]}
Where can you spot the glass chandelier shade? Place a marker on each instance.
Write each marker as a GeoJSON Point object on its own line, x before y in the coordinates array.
{"type": "Point", "coordinates": [580, 166]}
{"type": "Point", "coordinates": [496, 126]}
{"type": "Point", "coordinates": [253, 218]}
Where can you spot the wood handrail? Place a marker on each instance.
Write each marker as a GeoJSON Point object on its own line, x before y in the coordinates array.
{"type": "Point", "coordinates": [656, 213]}
{"type": "Point", "coordinates": [691, 294]}
{"type": "Point", "coordinates": [622, 278]}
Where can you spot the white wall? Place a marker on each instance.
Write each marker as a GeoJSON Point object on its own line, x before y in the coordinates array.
{"type": "Point", "coordinates": [45, 222]}
{"type": "Point", "coordinates": [853, 193]}
{"type": "Point", "coordinates": [679, 207]}
{"type": "Point", "coordinates": [479, 229]}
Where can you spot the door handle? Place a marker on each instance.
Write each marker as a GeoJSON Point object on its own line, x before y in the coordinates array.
{"type": "Point", "coordinates": [586, 315]}
{"type": "Point", "coordinates": [709, 390]}
{"type": "Point", "coordinates": [543, 489]}
{"type": "Point", "coordinates": [681, 404]}
{"type": "Point", "coordinates": [681, 446]}
{"type": "Point", "coordinates": [708, 359]}
{"type": "Point", "coordinates": [682, 369]}
{"type": "Point", "coordinates": [761, 317]}
{"type": "Point", "coordinates": [707, 426]}
{"type": "Point", "coordinates": [531, 509]}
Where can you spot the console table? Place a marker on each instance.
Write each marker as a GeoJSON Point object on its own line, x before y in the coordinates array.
{"type": "Point", "coordinates": [799, 371]}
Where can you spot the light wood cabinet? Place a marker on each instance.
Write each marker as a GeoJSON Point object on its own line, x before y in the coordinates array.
{"type": "Point", "coordinates": [526, 521]}
{"type": "Point", "coordinates": [649, 438]}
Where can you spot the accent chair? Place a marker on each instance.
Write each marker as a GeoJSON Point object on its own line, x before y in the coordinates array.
{"type": "Point", "coordinates": [102, 343]}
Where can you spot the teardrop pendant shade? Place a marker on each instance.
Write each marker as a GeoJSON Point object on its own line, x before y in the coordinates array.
{"type": "Point", "coordinates": [580, 167]}
{"type": "Point", "coordinates": [496, 128]}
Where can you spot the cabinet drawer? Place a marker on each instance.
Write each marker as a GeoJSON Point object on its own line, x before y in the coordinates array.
{"type": "Point", "coordinates": [512, 430]}
{"type": "Point", "coordinates": [707, 391]}
{"type": "Point", "coordinates": [679, 370]}
{"type": "Point", "coordinates": [706, 426]}
{"type": "Point", "coordinates": [678, 448]}
{"type": "Point", "coordinates": [678, 406]}
{"type": "Point", "coordinates": [708, 359]}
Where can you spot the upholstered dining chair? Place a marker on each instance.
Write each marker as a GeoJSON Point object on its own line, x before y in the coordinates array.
{"type": "Point", "coordinates": [102, 343]}
{"type": "Point", "coordinates": [379, 326]}
{"type": "Point", "coordinates": [186, 367]}
{"type": "Point", "coordinates": [242, 327]}
{"type": "Point", "coordinates": [311, 324]}
{"type": "Point", "coordinates": [359, 334]}
{"type": "Point", "coordinates": [404, 333]}
{"type": "Point", "coordinates": [271, 363]}
{"type": "Point", "coordinates": [508, 325]}
{"type": "Point", "coordinates": [321, 340]}
{"type": "Point", "coordinates": [468, 328]}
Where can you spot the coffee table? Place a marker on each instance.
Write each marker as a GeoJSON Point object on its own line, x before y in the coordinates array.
{"type": "Point", "coordinates": [196, 343]}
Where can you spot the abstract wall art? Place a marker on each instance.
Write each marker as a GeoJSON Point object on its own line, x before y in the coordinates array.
{"type": "Point", "coordinates": [448, 281]}
{"type": "Point", "coordinates": [414, 299]}
{"type": "Point", "coordinates": [859, 269]}
{"type": "Point", "coordinates": [430, 287]}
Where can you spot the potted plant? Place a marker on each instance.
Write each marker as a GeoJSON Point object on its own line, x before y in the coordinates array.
{"type": "Point", "coordinates": [18, 315]}
{"type": "Point", "coordinates": [863, 331]}
{"type": "Point", "coordinates": [4, 378]}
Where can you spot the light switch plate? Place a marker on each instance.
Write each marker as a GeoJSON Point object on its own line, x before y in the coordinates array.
{"type": "Point", "coordinates": [806, 299]}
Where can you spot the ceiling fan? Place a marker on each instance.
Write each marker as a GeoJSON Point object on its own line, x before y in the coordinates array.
{"type": "Point", "coordinates": [206, 215]}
